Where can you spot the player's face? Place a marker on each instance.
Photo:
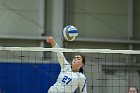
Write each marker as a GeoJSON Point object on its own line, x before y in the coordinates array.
{"type": "Point", "coordinates": [132, 90]}
{"type": "Point", "coordinates": [77, 63]}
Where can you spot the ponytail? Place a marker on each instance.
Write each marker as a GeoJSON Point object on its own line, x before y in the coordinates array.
{"type": "Point", "coordinates": [81, 70]}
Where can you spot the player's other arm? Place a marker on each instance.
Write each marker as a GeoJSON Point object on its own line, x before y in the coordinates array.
{"type": "Point", "coordinates": [83, 86]}
{"type": "Point", "coordinates": [63, 62]}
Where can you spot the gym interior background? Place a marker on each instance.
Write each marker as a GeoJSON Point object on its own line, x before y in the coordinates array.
{"type": "Point", "coordinates": [102, 24]}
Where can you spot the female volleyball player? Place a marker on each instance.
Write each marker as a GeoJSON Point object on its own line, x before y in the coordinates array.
{"type": "Point", "coordinates": [132, 90]}
{"type": "Point", "coordinates": [71, 76]}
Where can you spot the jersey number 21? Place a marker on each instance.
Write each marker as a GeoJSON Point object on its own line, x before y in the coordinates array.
{"type": "Point", "coordinates": [66, 80]}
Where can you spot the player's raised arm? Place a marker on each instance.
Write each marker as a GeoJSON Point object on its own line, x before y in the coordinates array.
{"type": "Point", "coordinates": [51, 41]}
{"type": "Point", "coordinates": [63, 62]}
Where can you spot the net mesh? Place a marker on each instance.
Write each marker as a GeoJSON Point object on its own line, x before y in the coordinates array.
{"type": "Point", "coordinates": [34, 70]}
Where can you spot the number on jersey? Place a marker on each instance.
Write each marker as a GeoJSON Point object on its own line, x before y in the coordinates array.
{"type": "Point", "coordinates": [66, 80]}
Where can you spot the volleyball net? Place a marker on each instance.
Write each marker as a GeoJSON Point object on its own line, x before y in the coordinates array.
{"type": "Point", "coordinates": [35, 69]}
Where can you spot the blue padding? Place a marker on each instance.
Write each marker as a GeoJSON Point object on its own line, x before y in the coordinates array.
{"type": "Point", "coordinates": [27, 78]}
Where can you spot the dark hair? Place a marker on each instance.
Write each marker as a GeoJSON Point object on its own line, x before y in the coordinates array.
{"type": "Point", "coordinates": [83, 59]}
{"type": "Point", "coordinates": [134, 87]}
{"type": "Point", "coordinates": [81, 70]}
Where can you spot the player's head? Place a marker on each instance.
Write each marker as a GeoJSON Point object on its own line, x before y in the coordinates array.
{"type": "Point", "coordinates": [132, 90]}
{"type": "Point", "coordinates": [78, 62]}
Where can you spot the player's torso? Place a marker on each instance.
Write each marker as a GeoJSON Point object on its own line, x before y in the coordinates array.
{"type": "Point", "coordinates": [68, 81]}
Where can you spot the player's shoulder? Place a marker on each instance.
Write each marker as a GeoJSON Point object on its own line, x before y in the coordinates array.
{"type": "Point", "coordinates": [82, 76]}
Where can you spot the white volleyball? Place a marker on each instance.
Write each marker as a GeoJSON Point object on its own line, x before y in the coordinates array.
{"type": "Point", "coordinates": [70, 32]}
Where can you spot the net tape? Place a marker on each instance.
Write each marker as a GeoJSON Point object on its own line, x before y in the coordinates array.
{"type": "Point", "coordinates": [69, 50]}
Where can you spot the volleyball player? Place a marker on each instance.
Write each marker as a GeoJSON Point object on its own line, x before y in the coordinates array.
{"type": "Point", "coordinates": [132, 90]}
{"type": "Point", "coordinates": [71, 76]}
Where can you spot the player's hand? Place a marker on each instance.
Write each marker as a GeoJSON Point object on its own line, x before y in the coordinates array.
{"type": "Point", "coordinates": [51, 41]}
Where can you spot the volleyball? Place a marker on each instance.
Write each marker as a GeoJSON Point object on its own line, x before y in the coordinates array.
{"type": "Point", "coordinates": [70, 32]}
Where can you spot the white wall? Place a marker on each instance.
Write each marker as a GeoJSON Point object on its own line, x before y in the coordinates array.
{"type": "Point", "coordinates": [99, 18]}
{"type": "Point", "coordinates": [19, 17]}
{"type": "Point", "coordinates": [137, 19]}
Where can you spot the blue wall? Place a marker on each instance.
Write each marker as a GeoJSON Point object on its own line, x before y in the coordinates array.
{"type": "Point", "coordinates": [27, 78]}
